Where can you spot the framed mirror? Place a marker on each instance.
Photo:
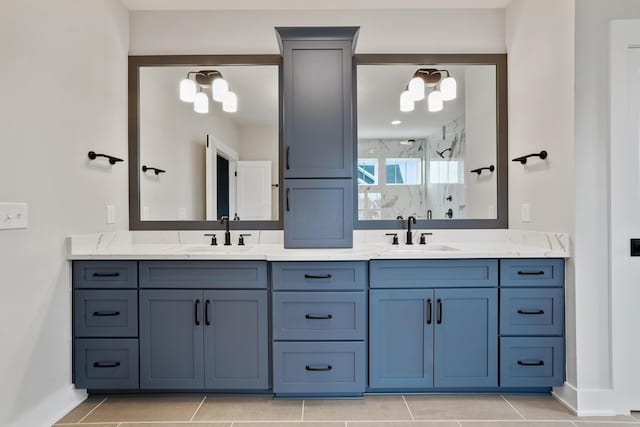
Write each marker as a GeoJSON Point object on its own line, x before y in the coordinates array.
{"type": "Point", "coordinates": [204, 142]}
{"type": "Point", "coordinates": [432, 141]}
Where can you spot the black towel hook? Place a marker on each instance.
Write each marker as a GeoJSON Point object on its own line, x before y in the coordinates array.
{"type": "Point", "coordinates": [479, 170]}
{"type": "Point", "coordinates": [543, 155]}
{"type": "Point", "coordinates": [155, 170]}
{"type": "Point", "coordinates": [113, 160]}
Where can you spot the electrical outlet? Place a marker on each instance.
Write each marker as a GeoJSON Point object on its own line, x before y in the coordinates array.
{"type": "Point", "coordinates": [525, 212]}
{"type": "Point", "coordinates": [146, 212]}
{"type": "Point", "coordinates": [13, 216]}
{"type": "Point", "coordinates": [491, 211]}
{"type": "Point", "coordinates": [111, 214]}
{"type": "Point", "coordinates": [182, 213]}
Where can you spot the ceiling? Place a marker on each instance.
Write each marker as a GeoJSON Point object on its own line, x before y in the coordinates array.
{"type": "Point", "coordinates": [311, 5]}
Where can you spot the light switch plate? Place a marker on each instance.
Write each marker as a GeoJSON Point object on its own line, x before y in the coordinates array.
{"type": "Point", "coordinates": [146, 213]}
{"type": "Point", "coordinates": [491, 212]}
{"type": "Point", "coordinates": [111, 214]}
{"type": "Point", "coordinates": [182, 213]}
{"type": "Point", "coordinates": [13, 216]}
{"type": "Point", "coordinates": [525, 212]}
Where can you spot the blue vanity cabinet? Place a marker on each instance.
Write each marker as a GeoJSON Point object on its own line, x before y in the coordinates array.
{"type": "Point", "coordinates": [466, 338]}
{"type": "Point", "coordinates": [440, 331]}
{"type": "Point", "coordinates": [105, 325]}
{"type": "Point", "coordinates": [318, 213]}
{"type": "Point", "coordinates": [532, 345]}
{"type": "Point", "coordinates": [236, 339]}
{"type": "Point", "coordinates": [213, 337]}
{"type": "Point", "coordinates": [318, 110]}
{"type": "Point", "coordinates": [171, 339]}
{"type": "Point", "coordinates": [319, 319]}
{"type": "Point", "coordinates": [401, 338]}
{"type": "Point", "coordinates": [318, 135]}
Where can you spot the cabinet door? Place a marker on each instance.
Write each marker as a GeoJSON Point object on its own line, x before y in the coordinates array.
{"type": "Point", "coordinates": [318, 213]}
{"type": "Point", "coordinates": [236, 339]}
{"type": "Point", "coordinates": [401, 339]}
{"type": "Point", "coordinates": [466, 338]}
{"type": "Point", "coordinates": [171, 339]}
{"type": "Point", "coordinates": [318, 119]}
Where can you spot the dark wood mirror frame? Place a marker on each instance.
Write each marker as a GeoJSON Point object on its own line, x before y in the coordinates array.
{"type": "Point", "coordinates": [502, 146]}
{"type": "Point", "coordinates": [137, 62]}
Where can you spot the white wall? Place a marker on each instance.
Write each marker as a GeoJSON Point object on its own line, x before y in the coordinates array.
{"type": "Point", "coordinates": [386, 31]}
{"type": "Point", "coordinates": [592, 199]}
{"type": "Point", "coordinates": [260, 142]}
{"type": "Point", "coordinates": [540, 44]}
{"type": "Point", "coordinates": [173, 137]}
{"type": "Point", "coordinates": [63, 80]}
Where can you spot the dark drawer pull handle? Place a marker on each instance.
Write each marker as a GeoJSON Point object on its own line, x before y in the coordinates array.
{"type": "Point", "coordinates": [106, 274]}
{"type": "Point", "coordinates": [322, 369]}
{"type": "Point", "coordinates": [317, 276]}
{"type": "Point", "coordinates": [287, 200]}
{"type": "Point", "coordinates": [207, 321]}
{"type": "Point", "coordinates": [318, 317]}
{"type": "Point", "coordinates": [538, 363]}
{"type": "Point", "coordinates": [530, 312]}
{"type": "Point", "coordinates": [530, 273]}
{"type": "Point", "coordinates": [106, 364]}
{"type": "Point", "coordinates": [287, 159]}
{"type": "Point", "coordinates": [106, 313]}
{"type": "Point", "coordinates": [439, 321]}
{"type": "Point", "coordinates": [429, 311]}
{"type": "Point", "coordinates": [196, 311]}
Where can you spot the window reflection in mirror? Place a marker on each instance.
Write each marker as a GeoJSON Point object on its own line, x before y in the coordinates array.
{"type": "Point", "coordinates": [415, 155]}
{"type": "Point", "coordinates": [220, 156]}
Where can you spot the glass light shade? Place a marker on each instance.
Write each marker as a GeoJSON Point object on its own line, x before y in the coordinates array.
{"type": "Point", "coordinates": [416, 88]}
{"type": "Point", "coordinates": [449, 89]}
{"type": "Point", "coordinates": [219, 89]}
{"type": "Point", "coordinates": [201, 103]}
{"type": "Point", "coordinates": [435, 101]}
{"type": "Point", "coordinates": [230, 102]}
{"type": "Point", "coordinates": [406, 102]}
{"type": "Point", "coordinates": [187, 90]}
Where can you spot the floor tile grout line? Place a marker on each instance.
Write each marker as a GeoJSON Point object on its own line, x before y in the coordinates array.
{"type": "Point", "coordinates": [512, 407]}
{"type": "Point", "coordinates": [94, 408]}
{"type": "Point", "coordinates": [302, 416]}
{"type": "Point", "coordinates": [408, 409]}
{"type": "Point", "coordinates": [198, 408]}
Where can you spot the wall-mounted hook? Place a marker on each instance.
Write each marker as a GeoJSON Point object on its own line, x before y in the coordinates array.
{"type": "Point", "coordinates": [155, 170]}
{"type": "Point", "coordinates": [479, 170]}
{"type": "Point", "coordinates": [113, 160]}
{"type": "Point", "coordinates": [543, 155]}
{"type": "Point", "coordinates": [441, 153]}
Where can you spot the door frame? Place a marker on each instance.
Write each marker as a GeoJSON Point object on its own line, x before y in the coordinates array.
{"type": "Point", "coordinates": [624, 346]}
{"type": "Point", "coordinates": [215, 147]}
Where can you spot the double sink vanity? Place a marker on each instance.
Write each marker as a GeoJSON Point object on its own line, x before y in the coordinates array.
{"type": "Point", "coordinates": [318, 301]}
{"type": "Point", "coordinates": [485, 312]}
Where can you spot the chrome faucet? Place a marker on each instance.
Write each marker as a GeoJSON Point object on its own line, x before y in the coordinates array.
{"type": "Point", "coordinates": [411, 219]}
{"type": "Point", "coordinates": [227, 235]}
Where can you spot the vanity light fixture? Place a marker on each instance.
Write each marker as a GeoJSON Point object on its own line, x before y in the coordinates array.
{"type": "Point", "coordinates": [425, 78]}
{"type": "Point", "coordinates": [191, 90]}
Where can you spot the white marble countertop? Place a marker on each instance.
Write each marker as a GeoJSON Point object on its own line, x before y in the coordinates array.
{"type": "Point", "coordinates": [267, 245]}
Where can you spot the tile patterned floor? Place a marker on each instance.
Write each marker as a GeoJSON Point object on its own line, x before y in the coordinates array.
{"type": "Point", "coordinates": [372, 411]}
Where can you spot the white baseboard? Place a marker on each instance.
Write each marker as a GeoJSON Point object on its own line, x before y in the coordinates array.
{"type": "Point", "coordinates": [567, 395]}
{"type": "Point", "coordinates": [590, 402]}
{"type": "Point", "coordinates": [54, 407]}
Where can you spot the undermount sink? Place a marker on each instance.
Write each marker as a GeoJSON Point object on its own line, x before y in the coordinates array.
{"type": "Point", "coordinates": [421, 248]}
{"type": "Point", "coordinates": [220, 250]}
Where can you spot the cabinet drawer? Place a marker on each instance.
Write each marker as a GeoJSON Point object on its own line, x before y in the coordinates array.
{"type": "Point", "coordinates": [106, 364]}
{"type": "Point", "coordinates": [318, 367]}
{"type": "Point", "coordinates": [531, 362]}
{"type": "Point", "coordinates": [532, 272]}
{"type": "Point", "coordinates": [434, 273]}
{"type": "Point", "coordinates": [319, 316]}
{"type": "Point", "coordinates": [319, 276]}
{"type": "Point", "coordinates": [105, 274]}
{"type": "Point", "coordinates": [532, 311]}
{"type": "Point", "coordinates": [110, 313]}
{"type": "Point", "coordinates": [203, 274]}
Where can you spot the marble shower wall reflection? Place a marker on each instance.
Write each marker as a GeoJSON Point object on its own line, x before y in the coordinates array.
{"type": "Point", "coordinates": [402, 177]}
